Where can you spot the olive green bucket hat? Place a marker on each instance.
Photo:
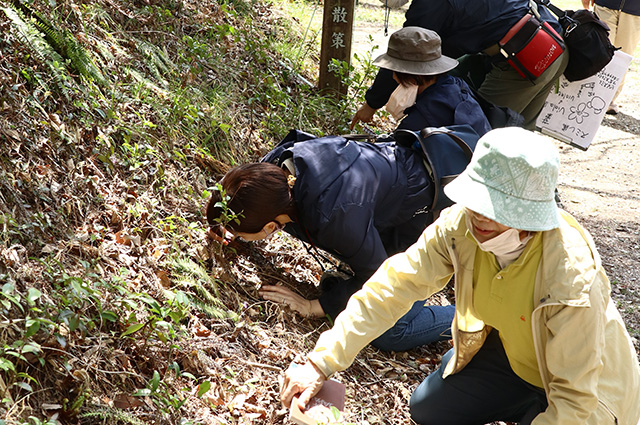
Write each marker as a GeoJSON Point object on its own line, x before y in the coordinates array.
{"type": "Point", "coordinates": [511, 179]}
{"type": "Point", "coordinates": [417, 51]}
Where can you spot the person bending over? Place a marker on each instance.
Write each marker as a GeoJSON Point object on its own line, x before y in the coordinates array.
{"type": "Point", "coordinates": [435, 98]}
{"type": "Point", "coordinates": [472, 29]}
{"type": "Point", "coordinates": [360, 202]}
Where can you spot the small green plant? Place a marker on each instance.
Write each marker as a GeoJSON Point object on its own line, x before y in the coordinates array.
{"type": "Point", "coordinates": [59, 50]}
{"type": "Point", "coordinates": [108, 415]}
{"type": "Point", "coordinates": [228, 215]}
{"type": "Point", "coordinates": [357, 78]}
{"type": "Point", "coordinates": [200, 288]}
{"type": "Point", "coordinates": [163, 394]}
{"type": "Point", "coordinates": [15, 309]}
{"type": "Point", "coordinates": [162, 319]}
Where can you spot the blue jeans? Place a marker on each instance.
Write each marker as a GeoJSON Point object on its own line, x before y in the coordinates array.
{"type": "Point", "coordinates": [486, 390]}
{"type": "Point", "coordinates": [422, 325]}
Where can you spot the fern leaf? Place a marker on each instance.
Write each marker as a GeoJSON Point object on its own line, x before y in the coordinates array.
{"type": "Point", "coordinates": [110, 415]}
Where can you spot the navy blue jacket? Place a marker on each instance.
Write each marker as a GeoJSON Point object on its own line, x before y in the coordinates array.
{"type": "Point", "coordinates": [447, 102]}
{"type": "Point", "coordinates": [357, 201]}
{"type": "Point", "coordinates": [632, 7]}
{"type": "Point", "coordinates": [465, 26]}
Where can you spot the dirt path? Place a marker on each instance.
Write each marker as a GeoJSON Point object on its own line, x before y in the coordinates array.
{"type": "Point", "coordinates": [601, 187]}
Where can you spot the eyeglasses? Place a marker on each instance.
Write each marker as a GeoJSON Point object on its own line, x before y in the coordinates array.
{"type": "Point", "coordinates": [225, 236]}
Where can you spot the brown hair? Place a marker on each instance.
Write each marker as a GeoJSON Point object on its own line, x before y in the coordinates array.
{"type": "Point", "coordinates": [413, 79]}
{"type": "Point", "coordinates": [258, 193]}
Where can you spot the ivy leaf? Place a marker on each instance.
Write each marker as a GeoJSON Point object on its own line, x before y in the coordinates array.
{"type": "Point", "coordinates": [33, 294]}
{"type": "Point", "coordinates": [132, 329]}
{"type": "Point", "coordinates": [203, 388]}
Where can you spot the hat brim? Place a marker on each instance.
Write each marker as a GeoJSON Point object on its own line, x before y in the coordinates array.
{"type": "Point", "coordinates": [502, 208]}
{"type": "Point", "coordinates": [434, 67]}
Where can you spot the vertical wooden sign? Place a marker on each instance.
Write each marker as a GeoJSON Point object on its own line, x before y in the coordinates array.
{"type": "Point", "coordinates": [337, 31]}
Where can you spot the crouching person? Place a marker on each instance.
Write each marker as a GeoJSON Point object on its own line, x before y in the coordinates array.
{"type": "Point", "coordinates": [537, 337]}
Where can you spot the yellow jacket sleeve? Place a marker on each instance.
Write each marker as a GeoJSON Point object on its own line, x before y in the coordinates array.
{"type": "Point", "coordinates": [401, 280]}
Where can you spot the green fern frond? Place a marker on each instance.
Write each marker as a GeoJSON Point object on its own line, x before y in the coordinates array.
{"type": "Point", "coordinates": [210, 311]}
{"type": "Point", "coordinates": [198, 287]}
{"type": "Point", "coordinates": [53, 36]}
{"type": "Point", "coordinates": [186, 265]}
{"type": "Point", "coordinates": [81, 60]}
{"type": "Point", "coordinates": [147, 83]}
{"type": "Point", "coordinates": [201, 288]}
{"type": "Point", "coordinates": [104, 49]}
{"type": "Point", "coordinates": [31, 36]}
{"type": "Point", "coordinates": [156, 60]}
{"type": "Point", "coordinates": [63, 43]}
{"type": "Point", "coordinates": [110, 416]}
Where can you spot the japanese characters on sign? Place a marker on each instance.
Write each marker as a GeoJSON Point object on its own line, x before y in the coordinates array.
{"type": "Point", "coordinates": [339, 15]}
{"type": "Point", "coordinates": [336, 42]}
{"type": "Point", "coordinates": [574, 112]}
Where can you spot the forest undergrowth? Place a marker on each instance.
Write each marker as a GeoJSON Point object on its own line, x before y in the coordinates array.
{"type": "Point", "coordinates": [116, 120]}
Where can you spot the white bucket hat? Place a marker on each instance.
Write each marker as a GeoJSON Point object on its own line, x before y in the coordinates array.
{"type": "Point", "coordinates": [417, 51]}
{"type": "Point", "coordinates": [511, 179]}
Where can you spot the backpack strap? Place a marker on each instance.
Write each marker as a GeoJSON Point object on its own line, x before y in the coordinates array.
{"type": "Point", "coordinates": [446, 151]}
{"type": "Point", "coordinates": [428, 131]}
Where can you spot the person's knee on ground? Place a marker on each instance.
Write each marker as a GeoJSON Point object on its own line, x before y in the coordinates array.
{"type": "Point", "coordinates": [424, 400]}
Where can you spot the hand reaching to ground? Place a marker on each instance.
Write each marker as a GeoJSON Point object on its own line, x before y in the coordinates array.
{"type": "Point", "coordinates": [364, 114]}
{"type": "Point", "coordinates": [303, 381]}
{"type": "Point", "coordinates": [282, 295]}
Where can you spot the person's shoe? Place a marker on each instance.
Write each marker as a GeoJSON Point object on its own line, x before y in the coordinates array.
{"type": "Point", "coordinates": [613, 109]}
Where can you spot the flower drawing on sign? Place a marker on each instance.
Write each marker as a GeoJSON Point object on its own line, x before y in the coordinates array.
{"type": "Point", "coordinates": [597, 104]}
{"type": "Point", "coordinates": [339, 15]}
{"type": "Point", "coordinates": [337, 40]}
{"type": "Point", "coordinates": [578, 113]}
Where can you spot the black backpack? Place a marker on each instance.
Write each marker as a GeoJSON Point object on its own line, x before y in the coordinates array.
{"type": "Point", "coordinates": [587, 39]}
{"type": "Point", "coordinates": [446, 151]}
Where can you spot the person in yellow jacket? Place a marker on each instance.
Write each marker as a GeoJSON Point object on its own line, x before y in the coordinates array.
{"type": "Point", "coordinates": [537, 337]}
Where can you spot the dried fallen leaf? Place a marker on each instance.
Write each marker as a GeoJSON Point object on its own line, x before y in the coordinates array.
{"type": "Point", "coordinates": [122, 238]}
{"type": "Point", "coordinates": [238, 401]}
{"type": "Point", "coordinates": [12, 133]}
{"type": "Point", "coordinates": [202, 332]}
{"type": "Point", "coordinates": [51, 406]}
{"type": "Point", "coordinates": [163, 276]}
{"type": "Point", "coordinates": [48, 248]}
{"type": "Point", "coordinates": [125, 401]}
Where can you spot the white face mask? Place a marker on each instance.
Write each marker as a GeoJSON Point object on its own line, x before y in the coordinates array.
{"type": "Point", "coordinates": [402, 98]}
{"type": "Point", "coordinates": [503, 244]}
{"type": "Point", "coordinates": [507, 246]}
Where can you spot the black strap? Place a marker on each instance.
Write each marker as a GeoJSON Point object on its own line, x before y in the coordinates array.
{"type": "Point", "coordinates": [556, 10]}
{"type": "Point", "coordinates": [387, 12]}
{"type": "Point", "coordinates": [315, 253]}
{"type": "Point", "coordinates": [428, 131]}
{"type": "Point", "coordinates": [359, 137]}
{"type": "Point", "coordinates": [425, 133]}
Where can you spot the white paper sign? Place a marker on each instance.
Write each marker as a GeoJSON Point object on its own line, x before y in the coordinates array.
{"type": "Point", "coordinates": [575, 112]}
